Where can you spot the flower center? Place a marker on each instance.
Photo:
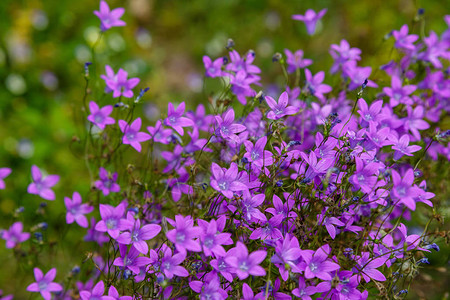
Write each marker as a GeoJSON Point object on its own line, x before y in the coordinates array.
{"type": "Point", "coordinates": [243, 266]}
{"type": "Point", "coordinates": [111, 223]}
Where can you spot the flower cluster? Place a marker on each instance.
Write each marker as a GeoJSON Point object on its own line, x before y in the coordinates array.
{"type": "Point", "coordinates": [300, 194]}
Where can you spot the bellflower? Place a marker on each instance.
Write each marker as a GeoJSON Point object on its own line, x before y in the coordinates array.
{"type": "Point", "coordinates": [111, 219]}
{"type": "Point", "coordinates": [226, 127]}
{"type": "Point", "coordinates": [44, 283]}
{"type": "Point", "coordinates": [296, 61]}
{"type": "Point", "coordinates": [213, 69]}
{"type": "Point", "coordinates": [100, 116]}
{"type": "Point", "coordinates": [76, 210]}
{"type": "Point", "coordinates": [240, 85]}
{"type": "Point", "coordinates": [131, 134]}
{"type": "Point", "coordinates": [41, 185]}
{"type": "Point", "coordinates": [184, 235]}
{"type": "Point", "coordinates": [366, 266]}
{"type": "Point", "coordinates": [280, 109]}
{"type": "Point", "coordinates": [315, 86]}
{"type": "Point", "coordinates": [112, 292]}
{"type": "Point", "coordinates": [159, 134]}
{"type": "Point", "coordinates": [286, 255]}
{"type": "Point", "coordinates": [4, 172]}
{"type": "Point", "coordinates": [14, 235]}
{"type": "Point", "coordinates": [170, 265]}
{"type": "Point", "coordinates": [343, 53]}
{"type": "Point", "coordinates": [256, 153]}
{"type": "Point", "coordinates": [246, 264]}
{"type": "Point", "coordinates": [119, 83]}
{"type": "Point", "coordinates": [209, 289]}
{"type": "Point", "coordinates": [403, 40]}
{"type": "Point", "coordinates": [399, 94]}
{"type": "Point", "coordinates": [137, 235]}
{"type": "Point", "coordinates": [403, 190]}
{"type": "Point", "coordinates": [96, 293]}
{"type": "Point", "coordinates": [310, 19]}
{"type": "Point", "coordinates": [212, 238]}
{"type": "Point", "coordinates": [93, 235]}
{"type": "Point", "coordinates": [176, 120]}
{"type": "Point", "coordinates": [401, 146]}
{"type": "Point", "coordinates": [225, 181]}
{"type": "Point", "coordinates": [367, 114]}
{"type": "Point", "coordinates": [317, 265]}
{"type": "Point", "coordinates": [131, 259]}
{"type": "Point", "coordinates": [109, 18]}
{"type": "Point", "coordinates": [107, 182]}
{"type": "Point", "coordinates": [413, 122]}
{"type": "Point", "coordinates": [303, 291]}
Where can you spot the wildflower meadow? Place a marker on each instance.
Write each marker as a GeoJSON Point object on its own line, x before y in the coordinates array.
{"type": "Point", "coordinates": [191, 164]}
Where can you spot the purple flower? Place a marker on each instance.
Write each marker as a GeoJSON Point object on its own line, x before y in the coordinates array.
{"type": "Point", "coordinates": [256, 153]}
{"type": "Point", "coordinates": [41, 185]}
{"type": "Point", "coordinates": [240, 85]}
{"type": "Point", "coordinates": [176, 120]}
{"type": "Point", "coordinates": [212, 238]}
{"type": "Point", "coordinates": [399, 94]}
{"type": "Point", "coordinates": [364, 177]}
{"type": "Point", "coordinates": [112, 292]}
{"type": "Point", "coordinates": [131, 134]}
{"type": "Point", "coordinates": [136, 235]}
{"type": "Point", "coordinates": [5, 297]}
{"type": "Point", "coordinates": [225, 181]}
{"type": "Point", "coordinates": [315, 86]}
{"type": "Point", "coordinates": [14, 235]}
{"type": "Point", "coordinates": [371, 114]}
{"type": "Point", "coordinates": [315, 167]}
{"type": "Point", "coordinates": [413, 122]}
{"type": "Point", "coordinates": [201, 120]}
{"type": "Point", "coordinates": [160, 134]}
{"type": "Point", "coordinates": [280, 109]}
{"type": "Point", "coordinates": [250, 209]}
{"type": "Point", "coordinates": [310, 19]}
{"type": "Point", "coordinates": [96, 293]}
{"type": "Point", "coordinates": [44, 283]}
{"type": "Point", "coordinates": [111, 219]}
{"type": "Point", "coordinates": [184, 235]}
{"type": "Point", "coordinates": [209, 289]}
{"type": "Point", "coordinates": [131, 259]}
{"type": "Point", "coordinates": [4, 172]}
{"type": "Point", "coordinates": [107, 182]}
{"type": "Point", "coordinates": [213, 69]}
{"type": "Point", "coordinates": [100, 116]}
{"type": "Point", "coordinates": [221, 266]}
{"type": "Point", "coordinates": [304, 292]}
{"type": "Point", "coordinates": [76, 210]}
{"type": "Point", "coordinates": [357, 75]}
{"type": "Point", "coordinates": [403, 40]}
{"type": "Point", "coordinates": [367, 267]}
{"type": "Point", "coordinates": [317, 265]}
{"type": "Point", "coordinates": [226, 127]}
{"type": "Point", "coordinates": [109, 18]}
{"type": "Point", "coordinates": [286, 255]}
{"type": "Point", "coordinates": [245, 264]}
{"type": "Point", "coordinates": [403, 190]}
{"type": "Point", "coordinates": [401, 147]}
{"type": "Point", "coordinates": [170, 265]}
{"type": "Point", "coordinates": [296, 61]}
{"type": "Point", "coordinates": [343, 53]}
{"type": "Point", "coordinates": [119, 83]}
{"type": "Point", "coordinates": [93, 235]}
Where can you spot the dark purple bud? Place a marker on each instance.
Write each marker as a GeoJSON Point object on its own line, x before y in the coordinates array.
{"type": "Point", "coordinates": [348, 252]}
{"type": "Point", "coordinates": [402, 292]}
{"type": "Point", "coordinates": [244, 160]}
{"type": "Point", "coordinates": [43, 225]}
{"type": "Point", "coordinates": [432, 246]}
{"type": "Point", "coordinates": [420, 11]}
{"type": "Point", "coordinates": [126, 274]}
{"type": "Point", "coordinates": [230, 44]}
{"type": "Point", "coordinates": [86, 68]}
{"type": "Point", "coordinates": [38, 237]}
{"type": "Point", "coordinates": [75, 270]}
{"type": "Point", "coordinates": [423, 261]}
{"type": "Point", "coordinates": [279, 183]}
{"type": "Point", "coordinates": [204, 186]}
{"type": "Point", "coordinates": [43, 204]}
{"type": "Point", "coordinates": [134, 209]}
{"type": "Point", "coordinates": [277, 57]}
{"type": "Point", "coordinates": [293, 143]}
{"type": "Point", "coordinates": [366, 81]}
{"type": "Point", "coordinates": [141, 94]}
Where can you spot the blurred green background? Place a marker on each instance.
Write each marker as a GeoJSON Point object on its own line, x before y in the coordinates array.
{"type": "Point", "coordinates": [45, 43]}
